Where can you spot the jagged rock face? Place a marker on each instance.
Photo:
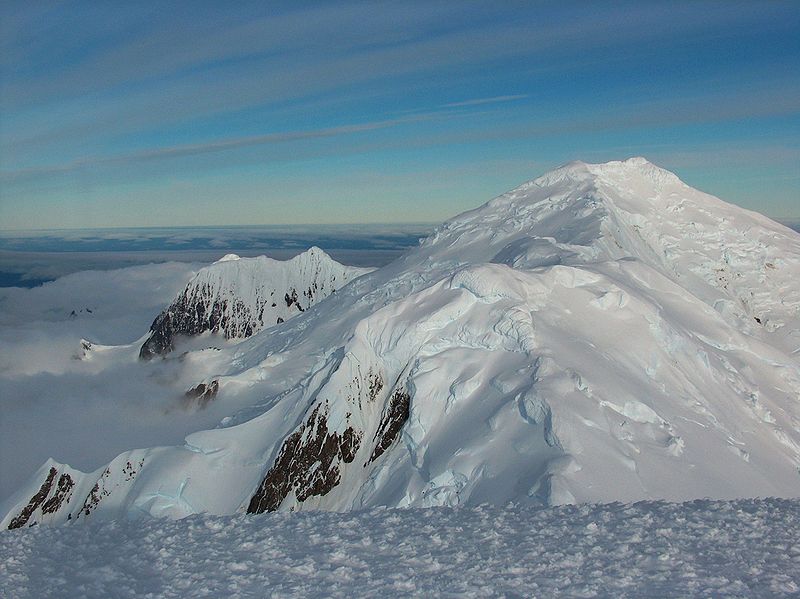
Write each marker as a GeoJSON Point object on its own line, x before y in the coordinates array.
{"type": "Point", "coordinates": [48, 499]}
{"type": "Point", "coordinates": [66, 494]}
{"type": "Point", "coordinates": [237, 297]}
{"type": "Point", "coordinates": [162, 332]}
{"type": "Point", "coordinates": [311, 459]}
{"type": "Point", "coordinates": [308, 463]}
{"type": "Point", "coordinates": [393, 420]}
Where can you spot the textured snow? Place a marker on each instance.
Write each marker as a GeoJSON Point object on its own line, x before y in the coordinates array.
{"type": "Point", "coordinates": [745, 548]}
{"type": "Point", "coordinates": [602, 333]}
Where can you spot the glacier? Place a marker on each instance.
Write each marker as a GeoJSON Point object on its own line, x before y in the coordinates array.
{"type": "Point", "coordinates": [602, 333]}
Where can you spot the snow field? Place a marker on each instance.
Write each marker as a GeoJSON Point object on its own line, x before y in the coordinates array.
{"type": "Point", "coordinates": [704, 548]}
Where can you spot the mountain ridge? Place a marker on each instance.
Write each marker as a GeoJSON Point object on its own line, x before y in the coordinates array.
{"type": "Point", "coordinates": [237, 297]}
{"type": "Point", "coordinates": [570, 341]}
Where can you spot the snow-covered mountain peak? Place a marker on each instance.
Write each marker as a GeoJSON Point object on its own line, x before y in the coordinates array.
{"type": "Point", "coordinates": [228, 258]}
{"type": "Point", "coordinates": [313, 255]}
{"type": "Point", "coordinates": [577, 212]}
{"type": "Point", "coordinates": [736, 261]}
{"type": "Point", "coordinates": [633, 168]}
{"type": "Point", "coordinates": [237, 297]}
{"type": "Point", "coordinates": [604, 332]}
{"type": "Point", "coordinates": [616, 173]}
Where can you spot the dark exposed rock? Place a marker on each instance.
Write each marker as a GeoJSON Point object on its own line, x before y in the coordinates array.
{"type": "Point", "coordinates": [308, 463]}
{"type": "Point", "coordinates": [95, 495]}
{"type": "Point", "coordinates": [35, 501]}
{"type": "Point", "coordinates": [309, 293]}
{"type": "Point", "coordinates": [202, 394]}
{"type": "Point", "coordinates": [291, 300]}
{"type": "Point", "coordinates": [375, 386]}
{"type": "Point", "coordinates": [350, 442]}
{"type": "Point", "coordinates": [160, 339]}
{"type": "Point", "coordinates": [188, 315]}
{"type": "Point", "coordinates": [62, 494]}
{"type": "Point", "coordinates": [393, 419]}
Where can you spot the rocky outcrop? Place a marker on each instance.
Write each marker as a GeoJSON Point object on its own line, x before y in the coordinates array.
{"type": "Point", "coordinates": [49, 498]}
{"type": "Point", "coordinates": [237, 297]}
{"type": "Point", "coordinates": [307, 464]}
{"type": "Point", "coordinates": [59, 493]}
{"type": "Point", "coordinates": [201, 395]}
{"type": "Point", "coordinates": [120, 473]}
{"type": "Point", "coordinates": [394, 418]}
{"type": "Point", "coordinates": [311, 459]}
{"type": "Point", "coordinates": [193, 313]}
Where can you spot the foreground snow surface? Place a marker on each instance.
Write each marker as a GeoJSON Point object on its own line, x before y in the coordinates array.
{"type": "Point", "coordinates": [741, 548]}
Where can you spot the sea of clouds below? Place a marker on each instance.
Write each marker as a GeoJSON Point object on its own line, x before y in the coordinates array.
{"type": "Point", "coordinates": [107, 287]}
{"type": "Point", "coordinates": [30, 258]}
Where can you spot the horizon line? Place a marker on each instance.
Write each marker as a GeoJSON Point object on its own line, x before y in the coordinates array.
{"type": "Point", "coordinates": [240, 226]}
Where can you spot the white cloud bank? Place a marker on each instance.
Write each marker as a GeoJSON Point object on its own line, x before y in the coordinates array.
{"type": "Point", "coordinates": [84, 412]}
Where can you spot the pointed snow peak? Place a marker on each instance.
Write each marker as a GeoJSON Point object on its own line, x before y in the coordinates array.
{"type": "Point", "coordinates": [313, 255]}
{"type": "Point", "coordinates": [314, 252]}
{"type": "Point", "coordinates": [228, 258]}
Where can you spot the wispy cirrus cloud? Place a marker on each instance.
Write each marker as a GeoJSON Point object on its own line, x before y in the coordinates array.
{"type": "Point", "coordinates": [219, 64]}
{"type": "Point", "coordinates": [220, 145]}
{"type": "Point", "coordinates": [480, 101]}
{"type": "Point", "coordinates": [171, 101]}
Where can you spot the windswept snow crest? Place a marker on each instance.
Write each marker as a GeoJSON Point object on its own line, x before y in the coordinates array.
{"type": "Point", "coordinates": [602, 333]}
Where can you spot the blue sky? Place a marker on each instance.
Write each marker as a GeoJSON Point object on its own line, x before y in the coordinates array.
{"type": "Point", "coordinates": [166, 114]}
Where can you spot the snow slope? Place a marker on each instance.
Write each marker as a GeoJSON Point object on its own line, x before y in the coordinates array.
{"type": "Point", "coordinates": [602, 333]}
{"type": "Point", "coordinates": [236, 297]}
{"type": "Point", "coordinates": [744, 548]}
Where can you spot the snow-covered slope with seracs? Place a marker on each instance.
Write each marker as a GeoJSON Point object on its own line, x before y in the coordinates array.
{"type": "Point", "coordinates": [604, 332]}
{"type": "Point", "coordinates": [236, 297]}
